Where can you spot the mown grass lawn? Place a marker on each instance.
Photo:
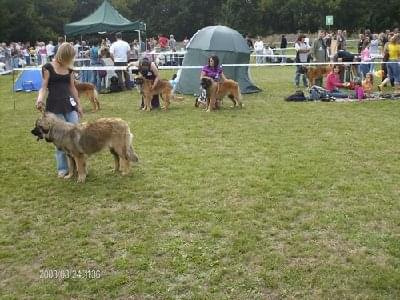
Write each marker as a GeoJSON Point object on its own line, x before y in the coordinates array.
{"type": "Point", "coordinates": [277, 200]}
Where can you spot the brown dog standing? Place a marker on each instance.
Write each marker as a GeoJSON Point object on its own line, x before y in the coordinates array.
{"type": "Point", "coordinates": [163, 88]}
{"type": "Point", "coordinates": [216, 91]}
{"type": "Point", "coordinates": [90, 91]}
{"type": "Point", "coordinates": [78, 141]}
{"type": "Point", "coordinates": [314, 73]}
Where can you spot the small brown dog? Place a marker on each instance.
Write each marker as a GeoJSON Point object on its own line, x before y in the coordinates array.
{"type": "Point", "coordinates": [90, 91]}
{"type": "Point", "coordinates": [216, 91]}
{"type": "Point", "coordinates": [163, 88]}
{"type": "Point", "coordinates": [316, 72]}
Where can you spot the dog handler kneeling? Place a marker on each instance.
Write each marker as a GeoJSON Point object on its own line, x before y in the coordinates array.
{"type": "Point", "coordinates": [214, 71]}
{"type": "Point", "coordinates": [149, 71]}
{"type": "Point", "coordinates": [58, 79]}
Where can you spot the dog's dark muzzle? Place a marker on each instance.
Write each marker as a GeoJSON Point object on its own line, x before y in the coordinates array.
{"type": "Point", "coordinates": [138, 81]}
{"type": "Point", "coordinates": [39, 132]}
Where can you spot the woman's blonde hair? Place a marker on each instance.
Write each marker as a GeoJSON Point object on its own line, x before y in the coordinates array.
{"type": "Point", "coordinates": [65, 54]}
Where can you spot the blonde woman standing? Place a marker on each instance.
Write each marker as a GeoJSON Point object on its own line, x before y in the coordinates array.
{"type": "Point", "coordinates": [58, 80]}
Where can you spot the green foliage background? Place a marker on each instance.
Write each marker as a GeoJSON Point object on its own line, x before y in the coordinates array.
{"type": "Point", "coordinates": [24, 20]}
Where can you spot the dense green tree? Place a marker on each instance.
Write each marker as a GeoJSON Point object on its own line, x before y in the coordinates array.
{"type": "Point", "coordinates": [32, 20]}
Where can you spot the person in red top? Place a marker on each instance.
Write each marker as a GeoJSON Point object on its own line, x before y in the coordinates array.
{"type": "Point", "coordinates": [333, 84]}
{"type": "Point", "coordinates": [163, 42]}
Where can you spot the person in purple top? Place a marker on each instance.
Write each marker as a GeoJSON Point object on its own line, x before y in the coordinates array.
{"type": "Point", "coordinates": [212, 70]}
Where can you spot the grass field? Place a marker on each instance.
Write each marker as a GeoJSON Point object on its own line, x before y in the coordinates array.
{"type": "Point", "coordinates": [277, 200]}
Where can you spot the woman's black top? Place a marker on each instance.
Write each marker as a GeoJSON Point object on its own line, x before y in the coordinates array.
{"type": "Point", "coordinates": [58, 99]}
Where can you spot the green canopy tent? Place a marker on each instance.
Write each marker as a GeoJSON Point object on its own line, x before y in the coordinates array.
{"type": "Point", "coordinates": [229, 46]}
{"type": "Point", "coordinates": [104, 19]}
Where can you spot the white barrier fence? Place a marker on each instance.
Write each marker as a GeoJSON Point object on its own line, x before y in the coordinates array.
{"type": "Point", "coordinates": [119, 68]}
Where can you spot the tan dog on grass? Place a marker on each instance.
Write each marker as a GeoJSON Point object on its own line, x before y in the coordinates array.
{"type": "Point", "coordinates": [79, 141]}
{"type": "Point", "coordinates": [314, 73]}
{"type": "Point", "coordinates": [216, 91]}
{"type": "Point", "coordinates": [90, 91]}
{"type": "Point", "coordinates": [163, 88]}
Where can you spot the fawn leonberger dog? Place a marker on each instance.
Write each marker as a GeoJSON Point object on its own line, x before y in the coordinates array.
{"type": "Point", "coordinates": [80, 140]}
{"type": "Point", "coordinates": [163, 88]}
{"type": "Point", "coordinates": [216, 91]}
{"type": "Point", "coordinates": [314, 73]}
{"type": "Point", "coordinates": [90, 91]}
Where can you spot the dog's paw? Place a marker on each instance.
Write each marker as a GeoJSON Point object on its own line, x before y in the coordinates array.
{"type": "Point", "coordinates": [69, 176]}
{"type": "Point", "coordinates": [81, 179]}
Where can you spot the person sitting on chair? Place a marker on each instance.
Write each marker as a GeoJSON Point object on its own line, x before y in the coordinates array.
{"type": "Point", "coordinates": [214, 71]}
{"type": "Point", "coordinates": [149, 71]}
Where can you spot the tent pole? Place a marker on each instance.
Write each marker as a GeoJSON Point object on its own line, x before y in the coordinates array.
{"type": "Point", "coordinates": [65, 38]}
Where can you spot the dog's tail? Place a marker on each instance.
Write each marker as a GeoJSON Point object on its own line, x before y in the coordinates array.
{"type": "Point", "coordinates": [130, 154]}
{"type": "Point", "coordinates": [96, 98]}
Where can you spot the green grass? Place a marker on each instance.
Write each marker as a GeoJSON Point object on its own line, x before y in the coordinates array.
{"type": "Point", "coordinates": [277, 200]}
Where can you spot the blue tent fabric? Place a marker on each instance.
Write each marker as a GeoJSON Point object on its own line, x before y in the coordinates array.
{"type": "Point", "coordinates": [28, 80]}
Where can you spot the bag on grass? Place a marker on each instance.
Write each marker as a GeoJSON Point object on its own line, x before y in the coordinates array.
{"type": "Point", "coordinates": [297, 96]}
{"type": "Point", "coordinates": [114, 87]}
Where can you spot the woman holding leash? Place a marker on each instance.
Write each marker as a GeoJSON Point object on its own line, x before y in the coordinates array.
{"type": "Point", "coordinates": [149, 71]}
{"type": "Point", "coordinates": [213, 70]}
{"type": "Point", "coordinates": [58, 79]}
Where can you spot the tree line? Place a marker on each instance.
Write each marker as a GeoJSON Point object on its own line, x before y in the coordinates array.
{"type": "Point", "coordinates": [31, 20]}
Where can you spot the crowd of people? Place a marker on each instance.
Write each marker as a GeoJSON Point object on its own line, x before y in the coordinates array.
{"type": "Point", "coordinates": [20, 54]}
{"type": "Point", "coordinates": [360, 69]}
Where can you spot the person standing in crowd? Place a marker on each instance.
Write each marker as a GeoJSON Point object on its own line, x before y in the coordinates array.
{"type": "Point", "coordinates": [259, 49]}
{"type": "Point", "coordinates": [172, 43]}
{"type": "Point", "coordinates": [163, 42]}
{"type": "Point", "coordinates": [50, 50]}
{"type": "Point", "coordinates": [134, 53]}
{"type": "Point", "coordinates": [374, 50]}
{"type": "Point", "coordinates": [77, 48]}
{"type": "Point", "coordinates": [94, 55]}
{"type": "Point", "coordinates": [283, 47]}
{"type": "Point", "coordinates": [58, 80]}
{"type": "Point", "coordinates": [392, 52]}
{"type": "Point", "coordinates": [361, 38]}
{"type": "Point", "coordinates": [365, 67]}
{"type": "Point", "coordinates": [319, 52]}
{"type": "Point", "coordinates": [14, 55]}
{"type": "Point", "coordinates": [368, 34]}
{"type": "Point", "coordinates": [43, 53]}
{"type": "Point", "coordinates": [84, 55]}
{"type": "Point", "coordinates": [302, 56]}
{"type": "Point", "coordinates": [3, 53]}
{"type": "Point", "coordinates": [106, 61]}
{"type": "Point", "coordinates": [119, 51]}
{"type": "Point", "coordinates": [26, 54]}
{"type": "Point", "coordinates": [249, 42]}
{"type": "Point", "coordinates": [7, 55]}
{"type": "Point", "coordinates": [340, 41]}
{"type": "Point", "coordinates": [60, 40]}
{"type": "Point", "coordinates": [185, 42]}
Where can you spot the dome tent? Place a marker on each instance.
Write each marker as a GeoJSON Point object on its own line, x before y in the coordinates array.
{"type": "Point", "coordinates": [229, 46]}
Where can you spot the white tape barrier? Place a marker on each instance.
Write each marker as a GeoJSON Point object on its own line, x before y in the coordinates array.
{"type": "Point", "coordinates": [164, 53]}
{"type": "Point", "coordinates": [118, 68]}
{"type": "Point", "coordinates": [272, 55]}
{"type": "Point", "coordinates": [5, 72]}
{"type": "Point", "coordinates": [284, 49]}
